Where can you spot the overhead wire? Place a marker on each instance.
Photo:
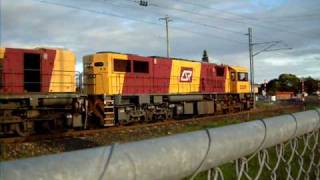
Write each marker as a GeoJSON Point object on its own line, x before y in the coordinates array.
{"type": "Point", "coordinates": [197, 23]}
{"type": "Point", "coordinates": [230, 20]}
{"type": "Point", "coordinates": [190, 21]}
{"type": "Point", "coordinates": [133, 19]}
{"type": "Point", "coordinates": [216, 9]}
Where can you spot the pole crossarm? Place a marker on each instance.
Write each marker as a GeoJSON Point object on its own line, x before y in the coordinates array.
{"type": "Point", "coordinates": [252, 54]}
{"type": "Point", "coordinates": [278, 49]}
{"type": "Point", "coordinates": [268, 48]}
{"type": "Point", "coordinates": [270, 42]}
{"type": "Point", "coordinates": [185, 155]}
{"type": "Point", "coordinates": [265, 49]}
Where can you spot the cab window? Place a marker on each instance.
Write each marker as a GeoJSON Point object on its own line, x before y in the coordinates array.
{"type": "Point", "coordinates": [121, 65]}
{"type": "Point", "coordinates": [233, 76]}
{"type": "Point", "coordinates": [98, 64]}
{"type": "Point", "coordinates": [140, 67]}
{"type": "Point", "coordinates": [220, 71]}
{"type": "Point", "coordinates": [242, 76]}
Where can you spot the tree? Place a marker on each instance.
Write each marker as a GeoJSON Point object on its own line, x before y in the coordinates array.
{"type": "Point", "coordinates": [289, 82]}
{"type": "Point", "coordinates": [272, 86]}
{"type": "Point", "coordinates": [310, 85]}
{"type": "Point", "coordinates": [285, 82]}
{"type": "Point", "coordinates": [205, 57]}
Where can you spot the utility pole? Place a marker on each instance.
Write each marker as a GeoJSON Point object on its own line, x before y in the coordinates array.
{"type": "Point", "coordinates": [167, 19]}
{"type": "Point", "coordinates": [252, 54]}
{"type": "Point", "coordinates": [251, 67]}
{"type": "Point", "coordinates": [0, 22]}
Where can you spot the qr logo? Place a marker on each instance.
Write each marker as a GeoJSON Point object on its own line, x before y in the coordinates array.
{"type": "Point", "coordinates": [186, 74]}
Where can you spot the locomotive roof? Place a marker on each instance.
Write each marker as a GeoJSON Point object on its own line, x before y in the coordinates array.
{"type": "Point", "coordinates": [105, 52]}
{"type": "Point", "coordinates": [37, 48]}
{"type": "Point", "coordinates": [182, 59]}
{"type": "Point", "coordinates": [239, 68]}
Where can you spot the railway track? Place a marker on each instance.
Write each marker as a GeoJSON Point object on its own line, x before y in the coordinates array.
{"type": "Point", "coordinates": [245, 115]}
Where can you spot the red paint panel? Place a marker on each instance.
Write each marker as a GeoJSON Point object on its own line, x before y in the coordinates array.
{"type": "Point", "coordinates": [47, 65]}
{"type": "Point", "coordinates": [13, 69]}
{"type": "Point", "coordinates": [138, 83]}
{"type": "Point", "coordinates": [210, 82]}
{"type": "Point", "coordinates": [161, 72]}
{"type": "Point", "coordinates": [157, 79]}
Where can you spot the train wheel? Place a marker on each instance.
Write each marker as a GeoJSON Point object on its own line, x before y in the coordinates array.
{"type": "Point", "coordinates": [47, 126]}
{"type": "Point", "coordinates": [149, 117]}
{"type": "Point", "coordinates": [98, 111]}
{"type": "Point", "coordinates": [22, 130]}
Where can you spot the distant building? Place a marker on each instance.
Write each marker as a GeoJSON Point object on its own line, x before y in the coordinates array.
{"type": "Point", "coordinates": [256, 88]}
{"type": "Point", "coordinates": [284, 95]}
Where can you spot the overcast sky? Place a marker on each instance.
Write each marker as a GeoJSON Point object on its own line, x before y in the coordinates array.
{"type": "Point", "coordinates": [219, 26]}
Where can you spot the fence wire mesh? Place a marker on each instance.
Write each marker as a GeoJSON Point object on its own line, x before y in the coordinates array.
{"type": "Point", "coordinates": [298, 158]}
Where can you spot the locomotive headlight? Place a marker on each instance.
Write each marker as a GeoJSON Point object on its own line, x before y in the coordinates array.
{"type": "Point", "coordinates": [69, 119]}
{"type": "Point", "coordinates": [171, 106]}
{"type": "Point", "coordinates": [68, 116]}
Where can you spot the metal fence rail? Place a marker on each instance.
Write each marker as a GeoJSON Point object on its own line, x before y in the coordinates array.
{"type": "Point", "coordinates": [185, 155]}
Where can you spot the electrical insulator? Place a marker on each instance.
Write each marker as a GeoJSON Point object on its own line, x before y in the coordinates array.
{"type": "Point", "coordinates": [143, 3]}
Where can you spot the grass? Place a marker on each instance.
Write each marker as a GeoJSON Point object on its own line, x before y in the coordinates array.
{"type": "Point", "coordinates": [228, 169]}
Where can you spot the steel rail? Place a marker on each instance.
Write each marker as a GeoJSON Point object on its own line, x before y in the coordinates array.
{"type": "Point", "coordinates": [84, 133]}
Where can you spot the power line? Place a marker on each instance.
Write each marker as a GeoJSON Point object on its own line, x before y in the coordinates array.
{"type": "Point", "coordinates": [197, 32]}
{"type": "Point", "coordinates": [189, 21]}
{"type": "Point", "coordinates": [192, 13]}
{"type": "Point", "coordinates": [292, 16]}
{"type": "Point", "coordinates": [230, 20]}
{"type": "Point", "coordinates": [216, 9]}
{"type": "Point", "coordinates": [311, 18]}
{"type": "Point", "coordinates": [95, 11]}
{"type": "Point", "coordinates": [133, 19]}
{"type": "Point", "coordinates": [210, 26]}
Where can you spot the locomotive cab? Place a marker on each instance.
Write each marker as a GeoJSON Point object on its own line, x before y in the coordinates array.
{"type": "Point", "coordinates": [104, 74]}
{"type": "Point", "coordinates": [237, 80]}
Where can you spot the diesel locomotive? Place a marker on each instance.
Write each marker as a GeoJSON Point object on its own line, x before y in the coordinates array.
{"type": "Point", "coordinates": [40, 90]}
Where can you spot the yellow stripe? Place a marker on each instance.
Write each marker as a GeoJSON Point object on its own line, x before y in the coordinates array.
{"type": "Point", "coordinates": [176, 86]}
{"type": "Point", "coordinates": [2, 51]}
{"type": "Point", "coordinates": [116, 82]}
{"type": "Point", "coordinates": [228, 81]}
{"type": "Point", "coordinates": [107, 81]}
{"type": "Point", "coordinates": [63, 74]}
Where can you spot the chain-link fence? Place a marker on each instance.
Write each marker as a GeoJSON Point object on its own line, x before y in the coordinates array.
{"type": "Point", "coordinates": [283, 147]}
{"type": "Point", "coordinates": [298, 158]}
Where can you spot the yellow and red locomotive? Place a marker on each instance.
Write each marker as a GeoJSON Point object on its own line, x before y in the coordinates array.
{"type": "Point", "coordinates": [40, 90]}
{"type": "Point", "coordinates": [123, 88]}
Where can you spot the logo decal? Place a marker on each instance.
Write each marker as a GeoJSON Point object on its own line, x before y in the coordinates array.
{"type": "Point", "coordinates": [186, 74]}
{"type": "Point", "coordinates": [243, 86]}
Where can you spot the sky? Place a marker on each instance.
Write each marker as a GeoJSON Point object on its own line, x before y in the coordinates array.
{"type": "Point", "coordinates": [219, 26]}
